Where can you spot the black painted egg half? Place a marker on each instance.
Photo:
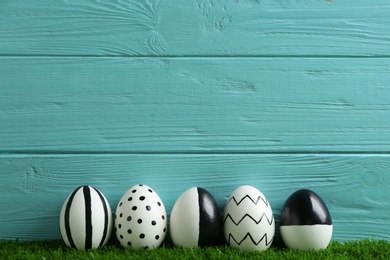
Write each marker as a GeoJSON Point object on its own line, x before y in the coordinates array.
{"type": "Point", "coordinates": [85, 219]}
{"type": "Point", "coordinates": [195, 219]}
{"type": "Point", "coordinates": [305, 221]}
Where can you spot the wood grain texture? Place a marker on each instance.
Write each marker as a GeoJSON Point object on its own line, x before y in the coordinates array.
{"type": "Point", "coordinates": [354, 187]}
{"type": "Point", "coordinates": [195, 28]}
{"type": "Point", "coordinates": [194, 105]}
{"type": "Point", "coordinates": [277, 94]}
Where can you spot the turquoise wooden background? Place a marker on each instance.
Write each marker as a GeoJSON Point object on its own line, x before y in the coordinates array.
{"type": "Point", "coordinates": [278, 94]}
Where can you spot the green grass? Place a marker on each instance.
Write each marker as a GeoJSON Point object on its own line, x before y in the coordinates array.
{"type": "Point", "coordinates": [365, 249]}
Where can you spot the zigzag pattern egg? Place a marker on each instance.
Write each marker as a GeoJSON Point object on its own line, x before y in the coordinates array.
{"type": "Point", "coordinates": [85, 219]}
{"type": "Point", "coordinates": [248, 221]}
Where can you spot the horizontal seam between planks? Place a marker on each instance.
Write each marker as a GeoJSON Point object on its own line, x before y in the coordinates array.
{"type": "Point", "coordinates": [200, 153]}
{"type": "Point", "coordinates": [203, 56]}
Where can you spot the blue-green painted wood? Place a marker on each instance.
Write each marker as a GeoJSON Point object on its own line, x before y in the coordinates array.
{"type": "Point", "coordinates": [195, 28]}
{"type": "Point", "coordinates": [354, 187]}
{"type": "Point", "coordinates": [278, 94]}
{"type": "Point", "coordinates": [194, 105]}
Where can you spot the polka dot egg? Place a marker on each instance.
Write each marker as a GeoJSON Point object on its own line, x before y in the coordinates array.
{"type": "Point", "coordinates": [140, 219]}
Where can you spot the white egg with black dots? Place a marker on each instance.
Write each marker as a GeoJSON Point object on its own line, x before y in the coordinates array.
{"type": "Point", "coordinates": [140, 218]}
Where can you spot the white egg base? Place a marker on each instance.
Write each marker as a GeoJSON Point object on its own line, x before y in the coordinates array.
{"type": "Point", "coordinates": [307, 237]}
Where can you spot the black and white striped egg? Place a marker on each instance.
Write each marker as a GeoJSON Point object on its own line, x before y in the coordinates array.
{"type": "Point", "coordinates": [248, 220]}
{"type": "Point", "coordinates": [305, 221]}
{"type": "Point", "coordinates": [195, 219]}
{"type": "Point", "coordinates": [85, 219]}
{"type": "Point", "coordinates": [140, 218]}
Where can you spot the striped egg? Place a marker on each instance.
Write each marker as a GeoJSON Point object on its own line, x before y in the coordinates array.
{"type": "Point", "coordinates": [195, 219]}
{"type": "Point", "coordinates": [85, 219]}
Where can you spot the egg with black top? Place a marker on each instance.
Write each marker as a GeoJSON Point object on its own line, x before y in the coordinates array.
{"type": "Point", "coordinates": [195, 219]}
{"type": "Point", "coordinates": [305, 221]}
{"type": "Point", "coordinates": [140, 218]}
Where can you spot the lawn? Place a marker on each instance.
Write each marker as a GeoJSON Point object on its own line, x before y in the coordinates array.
{"type": "Point", "coordinates": [365, 249]}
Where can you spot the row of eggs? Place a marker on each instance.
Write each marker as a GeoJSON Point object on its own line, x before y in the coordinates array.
{"type": "Point", "coordinates": [141, 221]}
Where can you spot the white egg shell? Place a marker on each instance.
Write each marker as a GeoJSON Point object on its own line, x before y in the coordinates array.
{"type": "Point", "coordinates": [140, 218]}
{"type": "Point", "coordinates": [85, 219]}
{"type": "Point", "coordinates": [248, 221]}
{"type": "Point", "coordinates": [195, 219]}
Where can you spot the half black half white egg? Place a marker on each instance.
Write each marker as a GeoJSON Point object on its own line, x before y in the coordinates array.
{"type": "Point", "coordinates": [195, 219]}
{"type": "Point", "coordinates": [305, 221]}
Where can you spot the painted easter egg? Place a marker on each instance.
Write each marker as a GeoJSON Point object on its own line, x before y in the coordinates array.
{"type": "Point", "coordinates": [305, 221]}
{"type": "Point", "coordinates": [85, 219]}
{"type": "Point", "coordinates": [140, 218]}
{"type": "Point", "coordinates": [195, 219]}
{"type": "Point", "coordinates": [248, 221]}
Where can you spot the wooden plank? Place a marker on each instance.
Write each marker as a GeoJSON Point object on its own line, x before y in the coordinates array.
{"type": "Point", "coordinates": [100, 105]}
{"type": "Point", "coordinates": [195, 28]}
{"type": "Point", "coordinates": [354, 187]}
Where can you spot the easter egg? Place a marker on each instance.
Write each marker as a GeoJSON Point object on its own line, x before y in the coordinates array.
{"type": "Point", "coordinates": [195, 219]}
{"type": "Point", "coordinates": [140, 218]}
{"type": "Point", "coordinates": [248, 221]}
{"type": "Point", "coordinates": [305, 221]}
{"type": "Point", "coordinates": [85, 219]}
